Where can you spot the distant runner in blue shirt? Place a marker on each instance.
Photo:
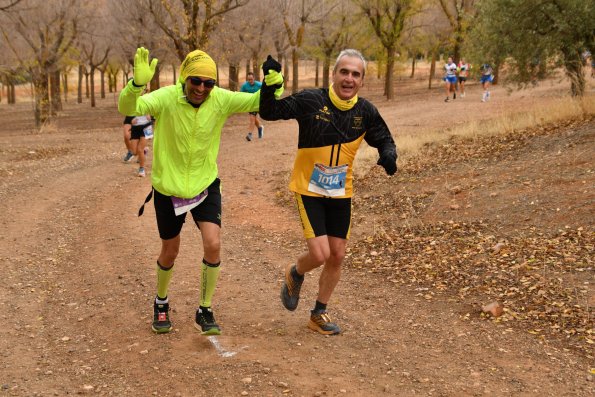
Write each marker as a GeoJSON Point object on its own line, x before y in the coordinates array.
{"type": "Point", "coordinates": [252, 86]}
{"type": "Point", "coordinates": [486, 78]}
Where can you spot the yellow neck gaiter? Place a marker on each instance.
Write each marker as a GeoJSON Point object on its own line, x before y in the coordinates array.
{"type": "Point", "coordinates": [341, 104]}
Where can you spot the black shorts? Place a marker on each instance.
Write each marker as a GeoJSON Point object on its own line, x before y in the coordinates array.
{"type": "Point", "coordinates": [170, 225]}
{"type": "Point", "coordinates": [324, 216]}
{"type": "Point", "coordinates": [138, 132]}
{"type": "Point", "coordinates": [462, 78]}
{"type": "Point", "coordinates": [253, 113]}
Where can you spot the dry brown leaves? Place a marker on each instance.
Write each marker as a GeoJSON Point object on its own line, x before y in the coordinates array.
{"type": "Point", "coordinates": [542, 279]}
{"type": "Point", "coordinates": [539, 279]}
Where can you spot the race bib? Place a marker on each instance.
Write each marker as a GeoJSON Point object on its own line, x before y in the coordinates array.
{"type": "Point", "coordinates": [148, 131]}
{"type": "Point", "coordinates": [328, 181]}
{"type": "Point", "coordinates": [141, 120]}
{"type": "Point", "coordinates": [181, 206]}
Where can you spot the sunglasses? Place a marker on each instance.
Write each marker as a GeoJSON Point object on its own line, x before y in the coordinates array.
{"type": "Point", "coordinates": [198, 81]}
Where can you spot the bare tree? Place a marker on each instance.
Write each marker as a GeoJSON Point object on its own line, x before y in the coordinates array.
{"type": "Point", "coordinates": [189, 23]}
{"type": "Point", "coordinates": [331, 35]}
{"type": "Point", "coordinates": [102, 70]}
{"type": "Point", "coordinates": [135, 27]}
{"type": "Point", "coordinates": [228, 49]}
{"type": "Point", "coordinates": [281, 47]}
{"type": "Point", "coordinates": [254, 41]}
{"type": "Point", "coordinates": [112, 70]}
{"type": "Point", "coordinates": [46, 31]}
{"type": "Point", "coordinates": [387, 18]}
{"type": "Point", "coordinates": [94, 57]}
{"type": "Point", "coordinates": [9, 77]}
{"type": "Point", "coordinates": [459, 14]}
{"type": "Point", "coordinates": [295, 19]}
{"type": "Point", "coordinates": [9, 71]}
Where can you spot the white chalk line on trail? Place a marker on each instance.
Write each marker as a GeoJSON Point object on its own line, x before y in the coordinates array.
{"type": "Point", "coordinates": [220, 350]}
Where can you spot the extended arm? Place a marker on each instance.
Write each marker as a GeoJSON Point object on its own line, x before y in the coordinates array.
{"type": "Point", "coordinates": [143, 73]}
{"type": "Point", "coordinates": [379, 136]}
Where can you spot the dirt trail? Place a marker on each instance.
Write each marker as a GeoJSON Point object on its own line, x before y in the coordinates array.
{"type": "Point", "coordinates": [79, 278]}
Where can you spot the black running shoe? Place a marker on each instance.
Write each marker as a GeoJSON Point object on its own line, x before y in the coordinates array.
{"type": "Point", "coordinates": [205, 322]}
{"type": "Point", "coordinates": [290, 291]}
{"type": "Point", "coordinates": [321, 323]}
{"type": "Point", "coordinates": [161, 323]}
{"type": "Point", "coordinates": [249, 137]}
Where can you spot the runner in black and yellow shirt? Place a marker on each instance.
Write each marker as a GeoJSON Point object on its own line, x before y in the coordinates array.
{"type": "Point", "coordinates": [332, 124]}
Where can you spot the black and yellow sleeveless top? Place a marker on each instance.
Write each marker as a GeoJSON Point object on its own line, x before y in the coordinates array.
{"type": "Point", "coordinates": [327, 135]}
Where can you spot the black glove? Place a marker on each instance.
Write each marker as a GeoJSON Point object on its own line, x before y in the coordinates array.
{"type": "Point", "coordinates": [271, 64]}
{"type": "Point", "coordinates": [389, 162]}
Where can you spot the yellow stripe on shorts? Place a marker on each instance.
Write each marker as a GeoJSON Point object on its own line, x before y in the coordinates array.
{"type": "Point", "coordinates": [306, 226]}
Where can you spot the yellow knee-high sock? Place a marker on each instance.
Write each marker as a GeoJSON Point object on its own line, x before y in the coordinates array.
{"type": "Point", "coordinates": [163, 279]}
{"type": "Point", "coordinates": [208, 282]}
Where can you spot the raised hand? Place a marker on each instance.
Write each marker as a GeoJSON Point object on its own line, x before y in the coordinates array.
{"type": "Point", "coordinates": [143, 72]}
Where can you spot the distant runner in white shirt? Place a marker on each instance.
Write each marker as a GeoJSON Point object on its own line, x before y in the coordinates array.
{"type": "Point", "coordinates": [450, 77]}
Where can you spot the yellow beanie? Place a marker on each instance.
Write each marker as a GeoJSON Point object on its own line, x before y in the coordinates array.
{"type": "Point", "coordinates": [198, 63]}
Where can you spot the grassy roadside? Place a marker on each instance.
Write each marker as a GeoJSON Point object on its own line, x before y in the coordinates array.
{"type": "Point", "coordinates": [538, 115]}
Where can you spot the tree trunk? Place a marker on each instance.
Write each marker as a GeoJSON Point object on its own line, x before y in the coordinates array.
{"type": "Point", "coordinates": [154, 84]}
{"type": "Point", "coordinates": [295, 63]}
{"type": "Point", "coordinates": [56, 100]}
{"type": "Point", "coordinates": [286, 71]}
{"type": "Point", "coordinates": [256, 69]}
{"type": "Point", "coordinates": [247, 66]}
{"type": "Point", "coordinates": [412, 68]}
{"type": "Point", "coordinates": [79, 97]}
{"type": "Point", "coordinates": [102, 80]}
{"type": "Point", "coordinates": [113, 80]}
{"type": "Point", "coordinates": [92, 86]}
{"type": "Point", "coordinates": [432, 70]}
{"type": "Point", "coordinates": [234, 76]}
{"type": "Point", "coordinates": [86, 84]}
{"type": "Point", "coordinates": [173, 67]}
{"type": "Point", "coordinates": [65, 86]}
{"type": "Point", "coordinates": [390, 66]}
{"type": "Point", "coordinates": [574, 71]}
{"type": "Point", "coordinates": [457, 51]}
{"type": "Point", "coordinates": [42, 98]}
{"type": "Point", "coordinates": [12, 98]}
{"type": "Point", "coordinates": [316, 75]}
{"type": "Point", "coordinates": [326, 67]}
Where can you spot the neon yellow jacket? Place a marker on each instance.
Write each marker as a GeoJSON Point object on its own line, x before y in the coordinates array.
{"type": "Point", "coordinates": [186, 139]}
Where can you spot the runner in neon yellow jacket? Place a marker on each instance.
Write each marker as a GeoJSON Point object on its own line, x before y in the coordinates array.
{"type": "Point", "coordinates": [186, 139]}
{"type": "Point", "coordinates": [189, 118]}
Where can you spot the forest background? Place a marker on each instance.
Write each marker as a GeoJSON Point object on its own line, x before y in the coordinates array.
{"type": "Point", "coordinates": [45, 43]}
